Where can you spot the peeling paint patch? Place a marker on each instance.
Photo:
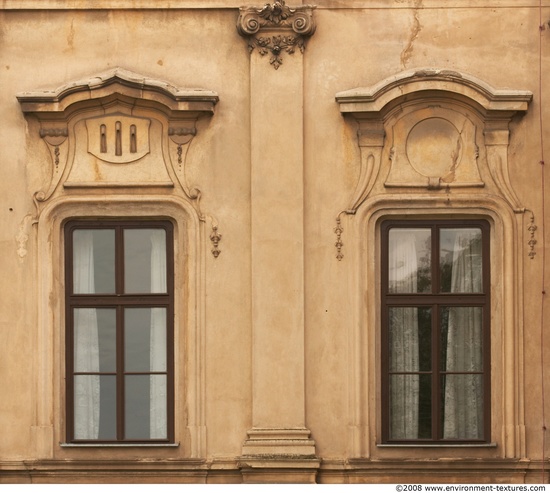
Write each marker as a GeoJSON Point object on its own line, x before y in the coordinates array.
{"type": "Point", "coordinates": [416, 28]}
{"type": "Point", "coordinates": [70, 36]}
{"type": "Point", "coordinates": [22, 237]}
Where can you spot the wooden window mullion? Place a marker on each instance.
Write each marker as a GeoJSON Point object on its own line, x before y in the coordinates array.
{"type": "Point", "coordinates": [120, 373]}
{"type": "Point", "coordinates": [436, 368]}
{"type": "Point", "coordinates": [119, 260]}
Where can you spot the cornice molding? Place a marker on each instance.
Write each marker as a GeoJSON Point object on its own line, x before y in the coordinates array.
{"type": "Point", "coordinates": [415, 83]}
{"type": "Point", "coordinates": [119, 84]}
{"type": "Point", "coordinates": [276, 28]}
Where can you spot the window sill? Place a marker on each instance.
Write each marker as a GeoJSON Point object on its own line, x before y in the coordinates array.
{"type": "Point", "coordinates": [436, 445]}
{"type": "Point", "coordinates": [118, 445]}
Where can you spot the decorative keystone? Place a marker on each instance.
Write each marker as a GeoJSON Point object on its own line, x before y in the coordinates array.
{"type": "Point", "coordinates": [276, 28]}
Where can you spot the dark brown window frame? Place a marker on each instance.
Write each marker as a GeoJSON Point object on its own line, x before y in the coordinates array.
{"type": "Point", "coordinates": [435, 299]}
{"type": "Point", "coordinates": [119, 300]}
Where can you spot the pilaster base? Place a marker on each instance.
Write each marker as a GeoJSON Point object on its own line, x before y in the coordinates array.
{"type": "Point", "coordinates": [42, 438]}
{"type": "Point", "coordinates": [275, 455]}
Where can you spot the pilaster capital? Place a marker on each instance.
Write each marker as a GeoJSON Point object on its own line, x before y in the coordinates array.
{"type": "Point", "coordinates": [276, 28]}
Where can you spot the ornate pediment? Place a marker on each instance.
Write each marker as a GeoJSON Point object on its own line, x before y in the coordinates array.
{"type": "Point", "coordinates": [117, 129]}
{"type": "Point", "coordinates": [122, 85]}
{"type": "Point", "coordinates": [426, 129]}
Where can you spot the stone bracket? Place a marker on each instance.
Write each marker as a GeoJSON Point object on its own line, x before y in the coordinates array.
{"type": "Point", "coordinates": [55, 136]}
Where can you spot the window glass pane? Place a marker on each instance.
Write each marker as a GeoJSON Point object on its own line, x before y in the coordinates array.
{"type": "Point", "coordinates": [409, 261]}
{"type": "Point", "coordinates": [94, 340]}
{"type": "Point", "coordinates": [410, 407]}
{"type": "Point", "coordinates": [145, 261]}
{"type": "Point", "coordinates": [95, 407]}
{"type": "Point", "coordinates": [460, 260]}
{"type": "Point", "coordinates": [158, 407]}
{"type": "Point", "coordinates": [462, 407]}
{"type": "Point", "coordinates": [462, 338]}
{"type": "Point", "coordinates": [145, 339]}
{"type": "Point", "coordinates": [93, 261]}
{"type": "Point", "coordinates": [145, 407]}
{"type": "Point", "coordinates": [410, 339]}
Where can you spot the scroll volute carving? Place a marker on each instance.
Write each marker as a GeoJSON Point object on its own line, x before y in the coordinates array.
{"type": "Point", "coordinates": [371, 138]}
{"type": "Point", "coordinates": [276, 28]}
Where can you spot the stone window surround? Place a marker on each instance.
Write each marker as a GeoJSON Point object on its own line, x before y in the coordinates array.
{"type": "Point", "coordinates": [52, 117]}
{"type": "Point", "coordinates": [495, 201]}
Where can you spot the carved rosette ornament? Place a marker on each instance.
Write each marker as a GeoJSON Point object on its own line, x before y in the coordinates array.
{"type": "Point", "coordinates": [276, 28]}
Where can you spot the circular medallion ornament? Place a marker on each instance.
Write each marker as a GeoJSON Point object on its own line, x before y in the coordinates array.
{"type": "Point", "coordinates": [434, 147]}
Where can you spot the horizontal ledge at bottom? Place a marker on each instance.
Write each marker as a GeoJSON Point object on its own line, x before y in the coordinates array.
{"type": "Point", "coordinates": [117, 445]}
{"type": "Point", "coordinates": [93, 184]}
{"type": "Point", "coordinates": [436, 445]}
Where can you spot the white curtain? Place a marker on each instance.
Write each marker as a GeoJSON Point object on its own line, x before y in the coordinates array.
{"type": "Point", "coordinates": [158, 383]}
{"type": "Point", "coordinates": [86, 343]}
{"type": "Point", "coordinates": [463, 416]}
{"type": "Point", "coordinates": [404, 389]}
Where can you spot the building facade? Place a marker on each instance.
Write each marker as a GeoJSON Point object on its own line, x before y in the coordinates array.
{"type": "Point", "coordinates": [274, 242]}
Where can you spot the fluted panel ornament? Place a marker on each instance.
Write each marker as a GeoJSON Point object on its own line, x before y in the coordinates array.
{"type": "Point", "coordinates": [276, 28]}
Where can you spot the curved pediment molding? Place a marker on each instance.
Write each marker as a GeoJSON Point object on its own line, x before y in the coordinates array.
{"type": "Point", "coordinates": [120, 85]}
{"type": "Point", "coordinates": [419, 83]}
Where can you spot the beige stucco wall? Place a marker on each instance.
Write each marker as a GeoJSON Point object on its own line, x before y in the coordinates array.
{"type": "Point", "coordinates": [195, 44]}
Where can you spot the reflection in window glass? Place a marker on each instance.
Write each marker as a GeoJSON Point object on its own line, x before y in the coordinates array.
{"type": "Point", "coordinates": [462, 402]}
{"type": "Point", "coordinates": [94, 340]}
{"type": "Point", "coordinates": [144, 261]}
{"type": "Point", "coordinates": [95, 407]}
{"type": "Point", "coordinates": [93, 261]}
{"type": "Point", "coordinates": [435, 332]}
{"type": "Point", "coordinates": [460, 260]}
{"type": "Point", "coordinates": [145, 339]}
{"type": "Point", "coordinates": [409, 260]}
{"type": "Point", "coordinates": [120, 339]}
{"type": "Point", "coordinates": [145, 404]}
